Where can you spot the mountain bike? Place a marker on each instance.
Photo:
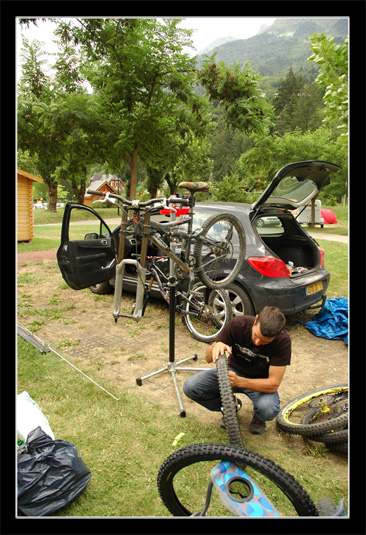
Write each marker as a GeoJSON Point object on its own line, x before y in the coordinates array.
{"type": "Point", "coordinates": [212, 253]}
{"type": "Point", "coordinates": [316, 412]}
{"type": "Point", "coordinates": [187, 478]}
{"type": "Point", "coordinates": [320, 415]}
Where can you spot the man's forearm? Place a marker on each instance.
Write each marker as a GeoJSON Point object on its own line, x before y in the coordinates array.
{"type": "Point", "coordinates": [267, 386]}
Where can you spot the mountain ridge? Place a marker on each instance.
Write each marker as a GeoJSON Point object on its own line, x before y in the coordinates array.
{"type": "Point", "coordinates": [281, 46]}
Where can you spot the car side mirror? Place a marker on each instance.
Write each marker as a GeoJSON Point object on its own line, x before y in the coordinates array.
{"type": "Point", "coordinates": [91, 236]}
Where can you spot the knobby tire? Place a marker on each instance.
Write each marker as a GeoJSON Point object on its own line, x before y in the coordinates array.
{"type": "Point", "coordinates": [228, 401]}
{"type": "Point", "coordinates": [294, 428]}
{"type": "Point", "coordinates": [198, 453]}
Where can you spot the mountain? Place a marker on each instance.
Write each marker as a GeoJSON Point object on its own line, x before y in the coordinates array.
{"type": "Point", "coordinates": [284, 44]}
{"type": "Point", "coordinates": [215, 44]}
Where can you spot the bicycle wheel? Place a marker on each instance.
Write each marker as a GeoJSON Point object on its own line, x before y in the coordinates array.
{"type": "Point", "coordinates": [184, 476]}
{"type": "Point", "coordinates": [229, 404]}
{"type": "Point", "coordinates": [219, 250]}
{"type": "Point", "coordinates": [321, 399]}
{"type": "Point", "coordinates": [206, 312]}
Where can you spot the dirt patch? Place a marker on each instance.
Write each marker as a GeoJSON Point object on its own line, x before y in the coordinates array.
{"type": "Point", "coordinates": [36, 256]}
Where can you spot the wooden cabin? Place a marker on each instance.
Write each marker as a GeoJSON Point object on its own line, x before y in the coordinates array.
{"type": "Point", "coordinates": [101, 185]}
{"type": "Point", "coordinates": [25, 219]}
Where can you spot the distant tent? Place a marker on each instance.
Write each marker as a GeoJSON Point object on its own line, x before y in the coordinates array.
{"type": "Point", "coordinates": [328, 216]}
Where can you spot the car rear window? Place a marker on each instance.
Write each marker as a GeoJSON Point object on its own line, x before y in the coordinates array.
{"type": "Point", "coordinates": [294, 189]}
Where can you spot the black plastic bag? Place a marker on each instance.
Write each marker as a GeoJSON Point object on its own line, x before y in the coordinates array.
{"type": "Point", "coordinates": [51, 474]}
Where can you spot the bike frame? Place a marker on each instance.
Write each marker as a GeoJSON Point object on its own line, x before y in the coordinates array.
{"type": "Point", "coordinates": [150, 233]}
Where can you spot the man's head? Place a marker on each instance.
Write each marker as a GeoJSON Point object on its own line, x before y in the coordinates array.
{"type": "Point", "coordinates": [267, 325]}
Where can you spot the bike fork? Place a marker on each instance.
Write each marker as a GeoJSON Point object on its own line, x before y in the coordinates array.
{"type": "Point", "coordinates": [137, 312]}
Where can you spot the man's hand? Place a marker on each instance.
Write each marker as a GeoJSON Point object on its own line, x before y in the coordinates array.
{"type": "Point", "coordinates": [218, 349]}
{"type": "Point", "coordinates": [234, 379]}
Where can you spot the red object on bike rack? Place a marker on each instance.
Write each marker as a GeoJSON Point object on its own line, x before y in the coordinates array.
{"type": "Point", "coordinates": [178, 211]}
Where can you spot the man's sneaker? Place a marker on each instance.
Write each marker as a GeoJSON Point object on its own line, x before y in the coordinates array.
{"type": "Point", "coordinates": [238, 407]}
{"type": "Point", "coordinates": [257, 426]}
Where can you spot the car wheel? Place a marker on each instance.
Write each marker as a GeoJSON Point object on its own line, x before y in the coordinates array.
{"type": "Point", "coordinates": [102, 288]}
{"type": "Point", "coordinates": [240, 301]}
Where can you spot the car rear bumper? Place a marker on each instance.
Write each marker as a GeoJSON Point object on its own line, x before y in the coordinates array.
{"type": "Point", "coordinates": [290, 295]}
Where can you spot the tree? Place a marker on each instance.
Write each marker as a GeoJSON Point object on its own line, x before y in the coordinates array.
{"type": "Point", "coordinates": [230, 189]}
{"type": "Point", "coordinates": [80, 131]}
{"type": "Point", "coordinates": [291, 85]}
{"type": "Point", "coordinates": [238, 92]}
{"type": "Point", "coordinates": [307, 113]}
{"type": "Point", "coordinates": [303, 111]}
{"type": "Point", "coordinates": [226, 146]}
{"type": "Point", "coordinates": [144, 86]}
{"type": "Point", "coordinates": [59, 121]}
{"type": "Point", "coordinates": [333, 77]}
{"type": "Point", "coordinates": [33, 137]}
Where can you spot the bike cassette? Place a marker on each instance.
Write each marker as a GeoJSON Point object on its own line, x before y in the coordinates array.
{"type": "Point", "coordinates": [239, 493]}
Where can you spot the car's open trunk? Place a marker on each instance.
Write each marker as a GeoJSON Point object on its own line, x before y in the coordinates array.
{"type": "Point", "coordinates": [290, 243]}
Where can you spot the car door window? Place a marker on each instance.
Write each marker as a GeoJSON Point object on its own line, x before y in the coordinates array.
{"type": "Point", "coordinates": [90, 228]}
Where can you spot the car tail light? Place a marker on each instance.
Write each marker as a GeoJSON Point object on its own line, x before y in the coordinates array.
{"type": "Point", "coordinates": [321, 251]}
{"type": "Point", "coordinates": [269, 266]}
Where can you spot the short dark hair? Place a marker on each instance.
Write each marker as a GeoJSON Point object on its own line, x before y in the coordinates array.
{"type": "Point", "coordinates": [271, 321]}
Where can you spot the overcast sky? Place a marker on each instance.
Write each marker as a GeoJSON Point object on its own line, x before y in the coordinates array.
{"type": "Point", "coordinates": [207, 30]}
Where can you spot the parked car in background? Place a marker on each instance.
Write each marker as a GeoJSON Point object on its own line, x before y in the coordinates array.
{"type": "Point", "coordinates": [283, 267]}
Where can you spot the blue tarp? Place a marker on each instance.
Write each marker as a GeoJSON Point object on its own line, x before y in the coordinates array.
{"type": "Point", "coordinates": [331, 321]}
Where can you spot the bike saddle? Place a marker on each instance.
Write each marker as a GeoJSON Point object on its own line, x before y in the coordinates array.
{"type": "Point", "coordinates": [194, 186]}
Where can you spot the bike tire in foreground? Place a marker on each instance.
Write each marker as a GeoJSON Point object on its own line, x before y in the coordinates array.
{"type": "Point", "coordinates": [185, 494]}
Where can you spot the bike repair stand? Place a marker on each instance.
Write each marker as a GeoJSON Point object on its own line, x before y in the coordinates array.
{"type": "Point", "coordinates": [173, 366]}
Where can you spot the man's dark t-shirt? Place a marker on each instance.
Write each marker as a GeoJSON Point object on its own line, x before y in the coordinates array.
{"type": "Point", "coordinates": [251, 360]}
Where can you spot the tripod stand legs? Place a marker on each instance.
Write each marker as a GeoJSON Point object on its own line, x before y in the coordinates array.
{"type": "Point", "coordinates": [171, 367]}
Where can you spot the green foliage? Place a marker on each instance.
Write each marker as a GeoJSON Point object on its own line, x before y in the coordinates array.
{"type": "Point", "coordinates": [230, 189]}
{"type": "Point", "coordinates": [238, 91]}
{"type": "Point", "coordinates": [298, 105]}
{"type": "Point", "coordinates": [291, 85]}
{"type": "Point", "coordinates": [259, 165]}
{"type": "Point", "coordinates": [144, 87]}
{"type": "Point", "coordinates": [333, 77]}
{"type": "Point", "coordinates": [34, 83]}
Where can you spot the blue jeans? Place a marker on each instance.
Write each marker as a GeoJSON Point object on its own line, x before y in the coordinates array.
{"type": "Point", "coordinates": [203, 387]}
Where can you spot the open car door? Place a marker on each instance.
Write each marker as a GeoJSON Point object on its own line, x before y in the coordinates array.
{"type": "Point", "coordinates": [90, 258]}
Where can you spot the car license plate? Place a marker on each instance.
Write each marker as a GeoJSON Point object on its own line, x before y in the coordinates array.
{"type": "Point", "coordinates": [316, 287]}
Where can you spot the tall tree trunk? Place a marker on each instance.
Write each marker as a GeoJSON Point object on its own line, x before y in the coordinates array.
{"type": "Point", "coordinates": [133, 182]}
{"type": "Point", "coordinates": [79, 191]}
{"type": "Point", "coordinates": [52, 196]}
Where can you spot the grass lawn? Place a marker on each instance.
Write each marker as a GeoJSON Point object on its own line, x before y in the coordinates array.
{"type": "Point", "coordinates": [124, 442]}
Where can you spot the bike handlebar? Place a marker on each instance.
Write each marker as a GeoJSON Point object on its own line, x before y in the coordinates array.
{"type": "Point", "coordinates": [141, 204]}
